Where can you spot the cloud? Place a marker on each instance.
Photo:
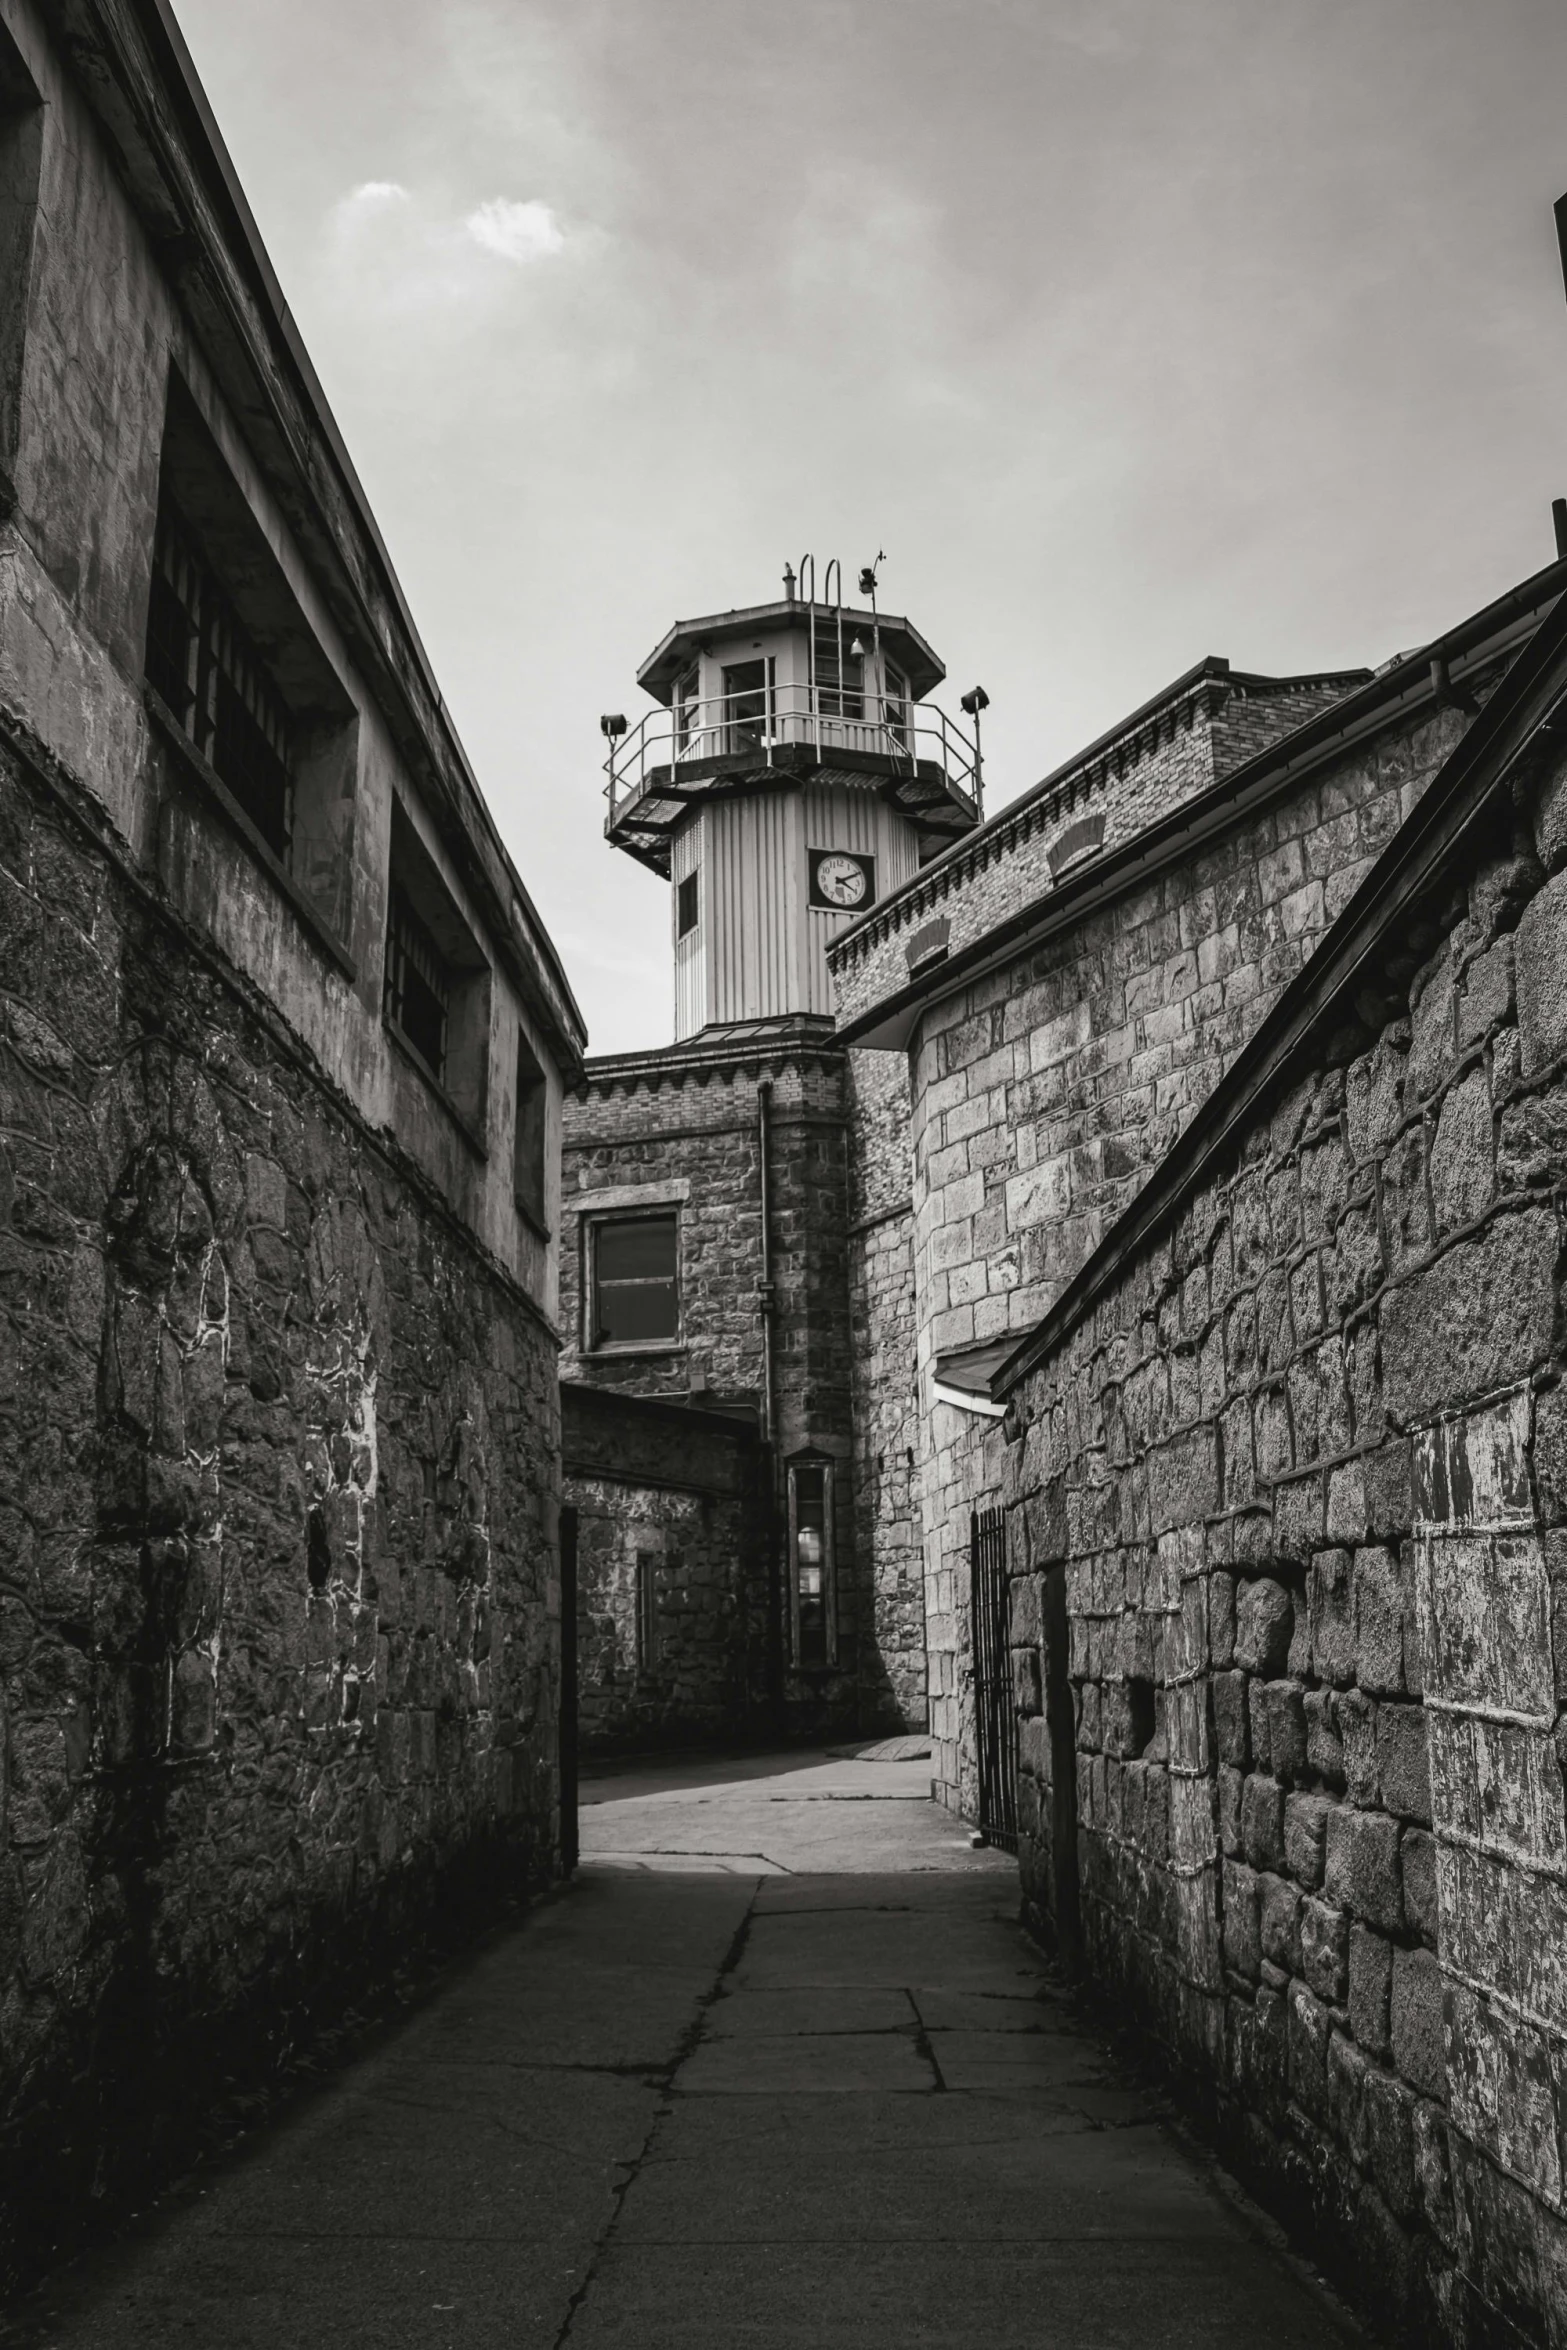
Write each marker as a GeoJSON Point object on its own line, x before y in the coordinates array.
{"type": "Point", "coordinates": [365, 201]}
{"type": "Point", "coordinates": [515, 232]}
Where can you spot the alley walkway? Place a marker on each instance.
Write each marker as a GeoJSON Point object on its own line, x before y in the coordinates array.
{"type": "Point", "coordinates": [778, 2073]}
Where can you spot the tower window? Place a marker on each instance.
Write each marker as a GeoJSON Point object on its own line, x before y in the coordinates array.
{"type": "Point", "coordinates": [688, 709]}
{"type": "Point", "coordinates": [745, 705]}
{"type": "Point", "coordinates": [895, 707]}
{"type": "Point", "coordinates": [813, 1576]}
{"type": "Point", "coordinates": [686, 905]}
{"type": "Point", "coordinates": [840, 683]}
{"type": "Point", "coordinates": [203, 665]}
{"type": "Point", "coordinates": [633, 1285]}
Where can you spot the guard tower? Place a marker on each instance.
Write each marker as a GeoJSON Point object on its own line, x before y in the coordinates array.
{"type": "Point", "coordinates": [791, 774]}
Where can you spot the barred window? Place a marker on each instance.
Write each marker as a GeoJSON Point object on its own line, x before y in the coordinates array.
{"type": "Point", "coordinates": [207, 672]}
{"type": "Point", "coordinates": [418, 984]}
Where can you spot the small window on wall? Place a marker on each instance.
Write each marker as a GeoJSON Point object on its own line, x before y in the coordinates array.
{"type": "Point", "coordinates": [528, 1148]}
{"type": "Point", "coordinates": [202, 662]}
{"type": "Point", "coordinates": [647, 1611]}
{"type": "Point", "coordinates": [237, 682]}
{"type": "Point", "coordinates": [436, 996]}
{"type": "Point", "coordinates": [633, 1286]}
{"type": "Point", "coordinates": [813, 1610]}
{"type": "Point", "coordinates": [687, 904]}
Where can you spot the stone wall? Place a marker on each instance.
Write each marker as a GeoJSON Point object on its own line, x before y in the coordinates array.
{"type": "Point", "coordinates": [1044, 1094]}
{"type": "Point", "coordinates": [682, 1127]}
{"type": "Point", "coordinates": [1302, 1469]}
{"type": "Point", "coordinates": [1205, 725]}
{"type": "Point", "coordinates": [885, 1386]}
{"type": "Point", "coordinates": [278, 1440]}
{"type": "Point", "coordinates": [672, 1571]}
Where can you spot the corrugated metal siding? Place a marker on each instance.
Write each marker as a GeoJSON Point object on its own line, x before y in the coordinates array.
{"type": "Point", "coordinates": [754, 898]}
{"type": "Point", "coordinates": [690, 956]}
{"type": "Point", "coordinates": [759, 949]}
{"type": "Point", "coordinates": [847, 817]}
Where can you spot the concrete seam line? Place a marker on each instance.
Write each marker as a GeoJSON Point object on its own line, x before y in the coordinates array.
{"type": "Point", "coordinates": [686, 2047]}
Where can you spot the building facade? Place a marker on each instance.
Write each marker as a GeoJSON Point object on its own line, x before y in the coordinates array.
{"type": "Point", "coordinates": [1236, 1266]}
{"type": "Point", "coordinates": [737, 1204]}
{"type": "Point", "coordinates": [282, 1056]}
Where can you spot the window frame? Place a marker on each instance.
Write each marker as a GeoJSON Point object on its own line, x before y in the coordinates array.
{"type": "Point", "coordinates": [656, 1212]}
{"type": "Point", "coordinates": [462, 1085]}
{"type": "Point", "coordinates": [530, 1138]}
{"type": "Point", "coordinates": [204, 509]}
{"type": "Point", "coordinates": [816, 1464]}
{"type": "Point", "coordinates": [691, 882]}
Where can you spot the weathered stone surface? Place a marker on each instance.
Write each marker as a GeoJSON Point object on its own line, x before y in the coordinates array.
{"type": "Point", "coordinates": [1541, 960]}
{"type": "Point", "coordinates": [1362, 1869]}
{"type": "Point", "coordinates": [1370, 1987]}
{"type": "Point", "coordinates": [1476, 1319]}
{"type": "Point", "coordinates": [1264, 1622]}
{"type": "Point", "coordinates": [1415, 2020]}
{"type": "Point", "coordinates": [1324, 1950]}
{"type": "Point", "coordinates": [1305, 1836]}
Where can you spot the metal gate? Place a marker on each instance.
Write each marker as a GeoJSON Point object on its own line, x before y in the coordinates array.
{"type": "Point", "coordinates": [995, 1721]}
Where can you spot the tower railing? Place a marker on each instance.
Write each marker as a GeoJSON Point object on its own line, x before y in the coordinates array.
{"type": "Point", "coordinates": [759, 722]}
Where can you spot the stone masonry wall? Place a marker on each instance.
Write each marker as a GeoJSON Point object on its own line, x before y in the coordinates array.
{"type": "Point", "coordinates": [683, 1126]}
{"type": "Point", "coordinates": [1043, 1095]}
{"type": "Point", "coordinates": [1202, 734]}
{"type": "Point", "coordinates": [885, 1386]}
{"type": "Point", "coordinates": [674, 1495]}
{"type": "Point", "coordinates": [1304, 1472]}
{"type": "Point", "coordinates": [278, 1592]}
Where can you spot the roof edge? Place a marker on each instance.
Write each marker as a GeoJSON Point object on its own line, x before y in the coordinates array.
{"type": "Point", "coordinates": [1460, 794]}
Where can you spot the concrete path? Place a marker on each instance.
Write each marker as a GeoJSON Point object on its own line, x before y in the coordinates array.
{"type": "Point", "coordinates": [789, 2105]}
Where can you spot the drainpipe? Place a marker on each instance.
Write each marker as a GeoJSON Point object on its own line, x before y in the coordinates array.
{"type": "Point", "coordinates": [767, 1298]}
{"type": "Point", "coordinates": [766, 1293]}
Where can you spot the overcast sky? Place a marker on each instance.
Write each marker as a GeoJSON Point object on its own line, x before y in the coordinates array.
{"type": "Point", "coordinates": [1133, 330]}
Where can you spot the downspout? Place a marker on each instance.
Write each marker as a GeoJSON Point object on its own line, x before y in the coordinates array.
{"type": "Point", "coordinates": [767, 1299]}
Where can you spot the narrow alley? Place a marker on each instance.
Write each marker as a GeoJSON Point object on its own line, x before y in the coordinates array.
{"type": "Point", "coordinates": [779, 2068]}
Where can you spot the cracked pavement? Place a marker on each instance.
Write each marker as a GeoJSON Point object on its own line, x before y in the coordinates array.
{"type": "Point", "coordinates": [730, 2089]}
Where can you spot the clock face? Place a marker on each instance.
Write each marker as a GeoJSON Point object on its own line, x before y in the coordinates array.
{"type": "Point", "coordinates": [840, 879]}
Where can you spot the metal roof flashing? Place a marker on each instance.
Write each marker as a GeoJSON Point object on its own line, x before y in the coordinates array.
{"type": "Point", "coordinates": [1530, 698]}
{"type": "Point", "coordinates": [658, 673]}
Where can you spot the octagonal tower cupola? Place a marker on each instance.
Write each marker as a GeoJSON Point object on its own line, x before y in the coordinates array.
{"type": "Point", "coordinates": [791, 773]}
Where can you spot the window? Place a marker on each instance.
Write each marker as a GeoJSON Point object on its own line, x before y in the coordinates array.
{"type": "Point", "coordinates": [840, 686]}
{"type": "Point", "coordinates": [419, 984]}
{"type": "Point", "coordinates": [745, 705]}
{"type": "Point", "coordinates": [203, 664]}
{"type": "Point", "coordinates": [633, 1287]}
{"type": "Point", "coordinates": [687, 905]}
{"type": "Point", "coordinates": [813, 1623]}
{"type": "Point", "coordinates": [688, 709]}
{"type": "Point", "coordinates": [895, 707]}
{"type": "Point", "coordinates": [239, 685]}
{"type": "Point", "coordinates": [436, 995]}
{"type": "Point", "coordinates": [647, 1611]}
{"type": "Point", "coordinates": [528, 1147]}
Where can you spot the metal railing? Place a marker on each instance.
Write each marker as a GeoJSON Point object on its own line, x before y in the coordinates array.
{"type": "Point", "coordinates": [763, 720]}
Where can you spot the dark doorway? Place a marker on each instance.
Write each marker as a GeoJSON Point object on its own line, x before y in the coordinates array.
{"type": "Point", "coordinates": [995, 1717]}
{"type": "Point", "coordinates": [568, 1690]}
{"type": "Point", "coordinates": [1061, 1726]}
